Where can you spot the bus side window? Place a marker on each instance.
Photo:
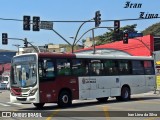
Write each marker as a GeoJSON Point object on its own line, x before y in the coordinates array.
{"type": "Point", "coordinates": [149, 67]}
{"type": "Point", "coordinates": [110, 67]}
{"type": "Point", "coordinates": [96, 67]}
{"type": "Point", "coordinates": [137, 67]}
{"type": "Point", "coordinates": [79, 67]}
{"type": "Point", "coordinates": [50, 69]}
{"type": "Point", "coordinates": [124, 67]}
{"type": "Point", "coordinates": [63, 67]}
{"type": "Point", "coordinates": [46, 71]}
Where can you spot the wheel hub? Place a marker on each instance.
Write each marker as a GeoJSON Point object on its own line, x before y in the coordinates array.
{"type": "Point", "coordinates": [126, 94]}
{"type": "Point", "coordinates": [65, 99]}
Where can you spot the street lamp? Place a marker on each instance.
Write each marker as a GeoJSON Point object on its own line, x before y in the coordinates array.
{"type": "Point", "coordinates": [17, 45]}
{"type": "Point", "coordinates": [71, 37]}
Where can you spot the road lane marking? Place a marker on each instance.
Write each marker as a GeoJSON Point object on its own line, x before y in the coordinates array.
{"type": "Point", "coordinates": [4, 104]}
{"type": "Point", "coordinates": [153, 118]}
{"type": "Point", "coordinates": [53, 114]}
{"type": "Point", "coordinates": [148, 102]}
{"type": "Point", "coordinates": [121, 108]}
{"type": "Point", "coordinates": [15, 103]}
{"type": "Point", "coordinates": [106, 112]}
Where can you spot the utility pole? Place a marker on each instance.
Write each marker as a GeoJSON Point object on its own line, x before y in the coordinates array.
{"type": "Point", "coordinates": [94, 50]}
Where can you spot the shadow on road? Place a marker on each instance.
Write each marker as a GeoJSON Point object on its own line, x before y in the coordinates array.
{"type": "Point", "coordinates": [87, 103]}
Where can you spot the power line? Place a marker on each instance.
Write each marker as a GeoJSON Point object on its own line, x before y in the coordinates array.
{"type": "Point", "coordinates": [11, 19]}
{"type": "Point", "coordinates": [129, 19]}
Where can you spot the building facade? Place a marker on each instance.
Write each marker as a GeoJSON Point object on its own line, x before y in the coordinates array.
{"type": "Point", "coordinates": [140, 46]}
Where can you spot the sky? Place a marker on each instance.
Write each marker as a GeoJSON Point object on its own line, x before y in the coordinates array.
{"type": "Point", "coordinates": [69, 10]}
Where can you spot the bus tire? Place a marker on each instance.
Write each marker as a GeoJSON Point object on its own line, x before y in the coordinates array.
{"type": "Point", "coordinates": [38, 105]}
{"type": "Point", "coordinates": [125, 94]}
{"type": "Point", "coordinates": [64, 99]}
{"type": "Point", "coordinates": [102, 100]}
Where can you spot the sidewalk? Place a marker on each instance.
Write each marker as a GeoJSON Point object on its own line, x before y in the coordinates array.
{"type": "Point", "coordinates": [3, 90]}
{"type": "Point", "coordinates": [148, 93]}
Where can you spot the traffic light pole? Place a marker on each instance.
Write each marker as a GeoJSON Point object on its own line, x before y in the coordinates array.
{"type": "Point", "coordinates": [27, 42]}
{"type": "Point", "coordinates": [75, 38]}
{"type": "Point", "coordinates": [61, 37]}
{"type": "Point", "coordinates": [88, 31]}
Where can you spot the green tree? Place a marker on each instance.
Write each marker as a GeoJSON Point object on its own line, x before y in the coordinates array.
{"type": "Point", "coordinates": [111, 36]}
{"type": "Point", "coordinates": [153, 30]}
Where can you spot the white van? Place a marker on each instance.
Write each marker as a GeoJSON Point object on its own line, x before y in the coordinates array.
{"type": "Point", "coordinates": [5, 84]}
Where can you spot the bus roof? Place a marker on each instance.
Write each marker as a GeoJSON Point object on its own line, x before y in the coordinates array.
{"type": "Point", "coordinates": [93, 56]}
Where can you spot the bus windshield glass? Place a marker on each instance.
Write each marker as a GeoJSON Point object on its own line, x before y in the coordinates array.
{"type": "Point", "coordinates": [24, 71]}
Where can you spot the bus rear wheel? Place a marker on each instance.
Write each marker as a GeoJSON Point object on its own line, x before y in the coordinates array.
{"type": "Point", "coordinates": [102, 100]}
{"type": "Point", "coordinates": [38, 105]}
{"type": "Point", "coordinates": [64, 99]}
{"type": "Point", "coordinates": [125, 94]}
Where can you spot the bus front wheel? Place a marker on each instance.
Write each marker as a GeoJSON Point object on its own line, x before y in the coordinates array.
{"type": "Point", "coordinates": [125, 94]}
{"type": "Point", "coordinates": [64, 99]}
{"type": "Point", "coordinates": [38, 105]}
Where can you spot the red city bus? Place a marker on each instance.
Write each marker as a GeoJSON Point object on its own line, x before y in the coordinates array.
{"type": "Point", "coordinates": [41, 78]}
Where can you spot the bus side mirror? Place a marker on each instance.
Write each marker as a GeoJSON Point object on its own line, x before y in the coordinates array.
{"type": "Point", "coordinates": [44, 67]}
{"type": "Point", "coordinates": [45, 64]}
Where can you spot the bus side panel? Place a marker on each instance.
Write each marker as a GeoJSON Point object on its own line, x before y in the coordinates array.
{"type": "Point", "coordinates": [49, 90]}
{"type": "Point", "coordinates": [84, 87]}
{"type": "Point", "coordinates": [70, 83]}
{"type": "Point", "coordinates": [150, 82]}
{"type": "Point", "coordinates": [106, 86]}
{"type": "Point", "coordinates": [98, 86]}
{"type": "Point", "coordinates": [136, 83]}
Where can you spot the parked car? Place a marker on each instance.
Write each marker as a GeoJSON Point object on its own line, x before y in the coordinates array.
{"type": "Point", "coordinates": [4, 84]}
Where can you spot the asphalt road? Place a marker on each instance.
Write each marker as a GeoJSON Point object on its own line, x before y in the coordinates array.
{"type": "Point", "coordinates": [140, 107]}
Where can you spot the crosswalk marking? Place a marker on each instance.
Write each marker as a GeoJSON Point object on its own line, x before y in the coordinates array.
{"type": "Point", "coordinates": [9, 104]}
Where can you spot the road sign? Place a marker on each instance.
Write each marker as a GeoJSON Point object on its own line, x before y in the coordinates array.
{"type": "Point", "coordinates": [158, 62]}
{"type": "Point", "coordinates": [158, 81]}
{"type": "Point", "coordinates": [132, 35]}
{"type": "Point", "coordinates": [46, 25]}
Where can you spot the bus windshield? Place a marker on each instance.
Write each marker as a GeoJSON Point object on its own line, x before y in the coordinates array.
{"type": "Point", "coordinates": [23, 72]}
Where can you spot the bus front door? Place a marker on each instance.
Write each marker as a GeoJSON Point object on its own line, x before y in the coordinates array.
{"type": "Point", "coordinates": [46, 81]}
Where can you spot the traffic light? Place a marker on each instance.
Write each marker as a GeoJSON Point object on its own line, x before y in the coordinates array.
{"type": "Point", "coordinates": [125, 38]}
{"type": "Point", "coordinates": [97, 18]}
{"type": "Point", "coordinates": [4, 39]}
{"type": "Point", "coordinates": [36, 23]}
{"type": "Point", "coordinates": [26, 22]}
{"type": "Point", "coordinates": [116, 26]}
{"type": "Point", "coordinates": [25, 43]}
{"type": "Point", "coordinates": [46, 46]}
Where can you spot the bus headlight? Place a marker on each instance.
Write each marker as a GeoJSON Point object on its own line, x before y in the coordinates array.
{"type": "Point", "coordinates": [33, 91]}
